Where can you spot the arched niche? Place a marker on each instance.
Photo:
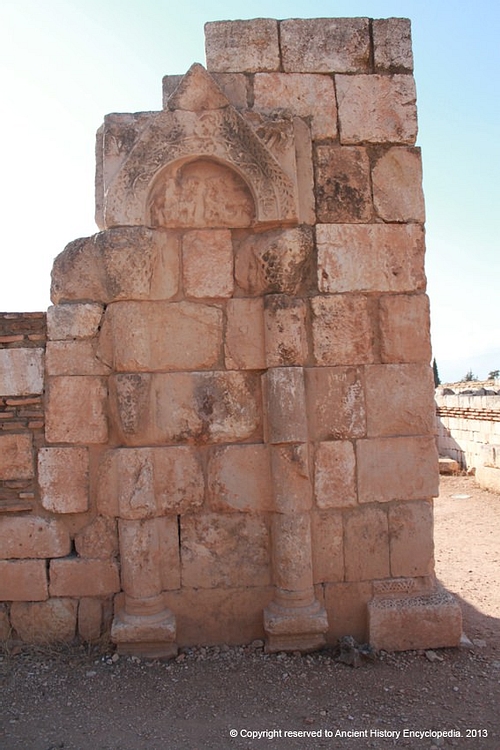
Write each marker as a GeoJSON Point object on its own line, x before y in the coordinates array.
{"type": "Point", "coordinates": [199, 193]}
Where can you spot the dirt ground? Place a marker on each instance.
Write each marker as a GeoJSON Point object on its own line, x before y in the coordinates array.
{"type": "Point", "coordinates": [77, 699]}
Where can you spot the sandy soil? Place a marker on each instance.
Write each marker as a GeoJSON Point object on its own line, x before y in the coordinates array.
{"type": "Point", "coordinates": [76, 699]}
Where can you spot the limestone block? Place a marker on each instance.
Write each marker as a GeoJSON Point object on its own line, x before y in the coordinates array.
{"type": "Point", "coordinates": [399, 400]}
{"type": "Point", "coordinates": [77, 577]}
{"type": "Point", "coordinates": [197, 92]}
{"type": "Point", "coordinates": [411, 539]}
{"type": "Point", "coordinates": [285, 405]}
{"type": "Point", "coordinates": [244, 347]}
{"type": "Point", "coordinates": [98, 540]}
{"type": "Point", "coordinates": [169, 85]}
{"type": "Point", "coordinates": [45, 622]}
{"type": "Point", "coordinates": [300, 628]}
{"type": "Point", "coordinates": [206, 407]}
{"type": "Point", "coordinates": [303, 95]}
{"type": "Point", "coordinates": [397, 185]}
{"type": "Point", "coordinates": [78, 273]}
{"type": "Point", "coordinates": [342, 330]}
{"type": "Point", "coordinates": [239, 479]}
{"type": "Point", "coordinates": [73, 358]}
{"type": "Point", "coordinates": [223, 551]}
{"type": "Point", "coordinates": [433, 621]}
{"type": "Point", "coordinates": [207, 262]}
{"type": "Point", "coordinates": [304, 171]}
{"type": "Point", "coordinates": [90, 617]}
{"type": "Point", "coordinates": [377, 108]}
{"type": "Point", "coordinates": [23, 580]}
{"type": "Point", "coordinates": [242, 46]}
{"type": "Point", "coordinates": [366, 544]}
{"type": "Point", "coordinates": [292, 563]}
{"type": "Point", "coordinates": [342, 184]}
{"type": "Point", "coordinates": [235, 86]}
{"type": "Point", "coordinates": [325, 45]}
{"type": "Point", "coordinates": [140, 263]}
{"type": "Point", "coordinates": [149, 336]}
{"type": "Point", "coordinates": [63, 476]}
{"type": "Point", "coordinates": [327, 546]}
{"type": "Point", "coordinates": [149, 556]}
{"type": "Point", "coordinates": [488, 477]}
{"type": "Point", "coordinates": [291, 477]}
{"type": "Point", "coordinates": [335, 403]}
{"type": "Point", "coordinates": [28, 536]}
{"type": "Point", "coordinates": [392, 44]}
{"type": "Point", "coordinates": [405, 328]}
{"type": "Point", "coordinates": [75, 321]}
{"type": "Point", "coordinates": [397, 468]}
{"type": "Point", "coordinates": [76, 409]}
{"type": "Point", "coordinates": [130, 394]}
{"type": "Point", "coordinates": [274, 261]}
{"type": "Point", "coordinates": [285, 330]}
{"type": "Point", "coordinates": [370, 258]}
{"type": "Point", "coordinates": [21, 372]}
{"type": "Point", "coordinates": [215, 616]}
{"type": "Point", "coordinates": [335, 474]}
{"type": "Point", "coordinates": [346, 605]}
{"type": "Point", "coordinates": [16, 456]}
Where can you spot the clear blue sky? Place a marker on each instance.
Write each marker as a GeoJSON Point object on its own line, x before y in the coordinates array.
{"type": "Point", "coordinates": [66, 63]}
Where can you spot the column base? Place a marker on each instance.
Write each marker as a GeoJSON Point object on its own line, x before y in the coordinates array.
{"type": "Point", "coordinates": [295, 628]}
{"type": "Point", "coordinates": [415, 622]}
{"type": "Point", "coordinates": [149, 636]}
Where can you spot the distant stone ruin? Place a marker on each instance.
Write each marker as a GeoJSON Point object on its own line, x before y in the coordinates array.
{"type": "Point", "coordinates": [229, 433]}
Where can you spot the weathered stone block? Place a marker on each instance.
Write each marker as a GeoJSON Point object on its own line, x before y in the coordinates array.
{"type": "Point", "coordinates": [244, 347]}
{"type": "Point", "coordinates": [377, 108]}
{"type": "Point", "coordinates": [239, 479]}
{"type": "Point", "coordinates": [405, 328]}
{"type": "Point", "coordinates": [399, 400]}
{"type": "Point", "coordinates": [16, 456]}
{"type": "Point", "coordinates": [397, 468]}
{"type": "Point", "coordinates": [224, 551]}
{"type": "Point", "coordinates": [45, 622]}
{"type": "Point", "coordinates": [274, 261]}
{"type": "Point", "coordinates": [149, 336]}
{"type": "Point", "coordinates": [207, 261]}
{"type": "Point", "coordinates": [215, 616]}
{"type": "Point", "coordinates": [342, 180]}
{"type": "Point", "coordinates": [73, 358]}
{"type": "Point", "coordinates": [21, 372]}
{"type": "Point", "coordinates": [327, 546]}
{"type": "Point", "coordinates": [325, 45]}
{"type": "Point", "coordinates": [346, 605]}
{"type": "Point", "coordinates": [285, 405]}
{"type": "Point", "coordinates": [78, 273]}
{"type": "Point", "coordinates": [335, 474]}
{"type": "Point", "coordinates": [291, 477]}
{"type": "Point", "coordinates": [292, 564]}
{"type": "Point", "coordinates": [397, 185]}
{"type": "Point", "coordinates": [489, 478]}
{"type": "Point", "coordinates": [242, 46]}
{"type": "Point", "coordinates": [98, 540]}
{"type": "Point", "coordinates": [76, 409]}
{"type": "Point", "coordinates": [433, 621]}
{"type": "Point", "coordinates": [90, 616]}
{"type": "Point", "coordinates": [342, 330]}
{"type": "Point", "coordinates": [335, 403]}
{"type": "Point", "coordinates": [285, 330]}
{"type": "Point", "coordinates": [80, 577]}
{"type": "Point", "coordinates": [23, 580]}
{"type": "Point", "coordinates": [370, 258]}
{"type": "Point", "coordinates": [411, 539]}
{"type": "Point", "coordinates": [366, 541]}
{"type": "Point", "coordinates": [392, 44]}
{"type": "Point", "coordinates": [28, 536]}
{"type": "Point", "coordinates": [303, 95]}
{"type": "Point", "coordinates": [235, 86]}
{"type": "Point", "coordinates": [63, 476]}
{"type": "Point", "coordinates": [76, 321]}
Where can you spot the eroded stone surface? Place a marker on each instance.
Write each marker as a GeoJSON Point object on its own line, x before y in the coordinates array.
{"type": "Point", "coordinates": [28, 536]}
{"type": "Point", "coordinates": [16, 456]}
{"type": "Point", "coordinates": [239, 479]}
{"type": "Point", "coordinates": [342, 330]}
{"type": "Point", "coordinates": [405, 328]}
{"type": "Point", "coordinates": [233, 46]}
{"type": "Point", "coordinates": [45, 622]}
{"type": "Point", "coordinates": [392, 44]}
{"type": "Point", "coordinates": [335, 474]}
{"type": "Point", "coordinates": [335, 403]}
{"type": "Point", "coordinates": [76, 409]}
{"type": "Point", "coordinates": [21, 371]}
{"type": "Point", "coordinates": [63, 476]}
{"type": "Point", "coordinates": [343, 190]}
{"type": "Point", "coordinates": [207, 262]}
{"type": "Point", "coordinates": [397, 185]}
{"type": "Point", "coordinates": [325, 45]}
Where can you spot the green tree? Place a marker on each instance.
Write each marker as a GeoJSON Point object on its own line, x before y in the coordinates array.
{"type": "Point", "coordinates": [437, 379]}
{"type": "Point", "coordinates": [494, 374]}
{"type": "Point", "coordinates": [469, 377]}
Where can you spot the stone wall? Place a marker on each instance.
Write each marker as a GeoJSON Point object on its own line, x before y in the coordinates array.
{"type": "Point", "coordinates": [239, 437]}
{"type": "Point", "coordinates": [468, 428]}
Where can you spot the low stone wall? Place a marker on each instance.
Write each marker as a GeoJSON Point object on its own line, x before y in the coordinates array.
{"type": "Point", "coordinates": [468, 429]}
